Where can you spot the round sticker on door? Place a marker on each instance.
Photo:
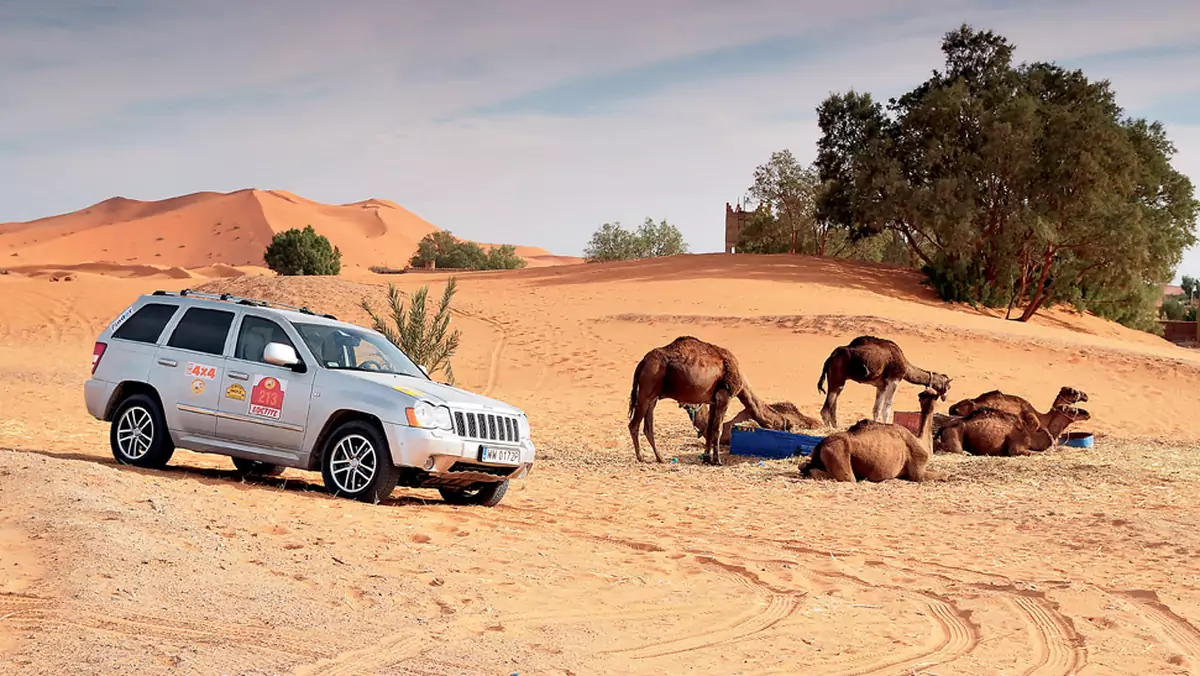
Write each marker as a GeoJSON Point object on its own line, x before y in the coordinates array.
{"type": "Point", "coordinates": [197, 386]}
{"type": "Point", "coordinates": [266, 397]}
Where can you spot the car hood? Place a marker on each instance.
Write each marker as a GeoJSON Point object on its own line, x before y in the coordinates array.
{"type": "Point", "coordinates": [437, 393]}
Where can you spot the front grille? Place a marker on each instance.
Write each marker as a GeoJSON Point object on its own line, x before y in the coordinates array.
{"type": "Point", "coordinates": [487, 427]}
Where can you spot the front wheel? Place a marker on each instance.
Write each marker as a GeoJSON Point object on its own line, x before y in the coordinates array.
{"type": "Point", "coordinates": [356, 463]}
{"type": "Point", "coordinates": [485, 494]}
{"type": "Point", "coordinates": [138, 435]}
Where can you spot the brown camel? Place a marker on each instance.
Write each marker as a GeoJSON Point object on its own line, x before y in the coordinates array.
{"type": "Point", "coordinates": [785, 409]}
{"type": "Point", "coordinates": [1067, 396]}
{"type": "Point", "coordinates": [877, 451]}
{"type": "Point", "coordinates": [691, 371]}
{"type": "Point", "coordinates": [873, 361]}
{"type": "Point", "coordinates": [990, 431]}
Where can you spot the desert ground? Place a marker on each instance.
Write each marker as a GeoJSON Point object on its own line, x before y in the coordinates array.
{"type": "Point", "coordinates": [1075, 561]}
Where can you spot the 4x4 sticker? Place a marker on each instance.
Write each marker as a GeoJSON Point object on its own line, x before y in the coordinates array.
{"type": "Point", "coordinates": [201, 371]}
{"type": "Point", "coordinates": [266, 397]}
{"type": "Point", "coordinates": [236, 392]}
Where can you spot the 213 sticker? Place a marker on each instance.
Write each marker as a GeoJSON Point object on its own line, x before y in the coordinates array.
{"type": "Point", "coordinates": [266, 397]}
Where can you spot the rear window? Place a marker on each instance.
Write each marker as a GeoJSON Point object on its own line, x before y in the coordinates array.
{"type": "Point", "coordinates": [146, 325]}
{"type": "Point", "coordinates": [202, 330]}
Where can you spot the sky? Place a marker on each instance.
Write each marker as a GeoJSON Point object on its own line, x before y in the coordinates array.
{"type": "Point", "coordinates": [523, 121]}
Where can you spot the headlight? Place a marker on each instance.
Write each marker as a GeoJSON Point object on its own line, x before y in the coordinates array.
{"type": "Point", "coordinates": [425, 414]}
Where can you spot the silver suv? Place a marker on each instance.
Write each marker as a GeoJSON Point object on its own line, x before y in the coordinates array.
{"type": "Point", "coordinates": [276, 386]}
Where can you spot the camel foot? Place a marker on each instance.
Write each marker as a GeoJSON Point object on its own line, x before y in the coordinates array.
{"type": "Point", "coordinates": [818, 475]}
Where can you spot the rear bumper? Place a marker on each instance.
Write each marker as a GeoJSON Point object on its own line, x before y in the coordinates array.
{"type": "Point", "coordinates": [450, 460]}
{"type": "Point", "coordinates": [97, 394]}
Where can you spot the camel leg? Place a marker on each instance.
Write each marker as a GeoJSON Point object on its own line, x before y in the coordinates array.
{"type": "Point", "coordinates": [917, 467]}
{"type": "Point", "coordinates": [720, 405]}
{"type": "Point", "coordinates": [649, 429]}
{"type": "Point", "coordinates": [639, 414]}
{"type": "Point", "coordinates": [877, 410]}
{"type": "Point", "coordinates": [1014, 447]}
{"type": "Point", "coordinates": [950, 440]}
{"type": "Point", "coordinates": [836, 458]}
{"type": "Point", "coordinates": [889, 394]}
{"type": "Point", "coordinates": [829, 410]}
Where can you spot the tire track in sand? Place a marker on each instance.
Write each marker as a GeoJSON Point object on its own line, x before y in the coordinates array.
{"type": "Point", "coordinates": [494, 362]}
{"type": "Point", "coordinates": [780, 605]}
{"type": "Point", "coordinates": [1175, 630]}
{"type": "Point", "coordinates": [1058, 648]}
{"type": "Point", "coordinates": [389, 650]}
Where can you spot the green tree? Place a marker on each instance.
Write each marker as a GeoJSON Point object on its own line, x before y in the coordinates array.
{"type": "Point", "coordinates": [447, 251]}
{"type": "Point", "coordinates": [611, 242]}
{"type": "Point", "coordinates": [428, 342]}
{"type": "Point", "coordinates": [1190, 286]}
{"type": "Point", "coordinates": [302, 252]}
{"type": "Point", "coordinates": [1019, 185]}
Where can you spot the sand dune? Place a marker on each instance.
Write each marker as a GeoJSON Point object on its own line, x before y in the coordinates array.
{"type": "Point", "coordinates": [1072, 561]}
{"type": "Point", "coordinates": [207, 228]}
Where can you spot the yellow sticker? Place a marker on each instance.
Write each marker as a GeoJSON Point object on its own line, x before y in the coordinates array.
{"type": "Point", "coordinates": [411, 393]}
{"type": "Point", "coordinates": [197, 386]}
{"type": "Point", "coordinates": [235, 392]}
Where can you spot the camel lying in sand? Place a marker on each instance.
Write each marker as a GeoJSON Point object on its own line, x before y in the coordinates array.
{"type": "Point", "coordinates": [691, 371]}
{"type": "Point", "coordinates": [990, 431]}
{"type": "Point", "coordinates": [785, 409]}
{"type": "Point", "coordinates": [873, 361]}
{"type": "Point", "coordinates": [1067, 396]}
{"type": "Point", "coordinates": [877, 451]}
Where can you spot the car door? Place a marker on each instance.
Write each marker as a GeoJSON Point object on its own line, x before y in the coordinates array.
{"type": "Point", "coordinates": [264, 407]}
{"type": "Point", "coordinates": [187, 372]}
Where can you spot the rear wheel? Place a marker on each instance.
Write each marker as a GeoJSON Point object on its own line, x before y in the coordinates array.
{"type": "Point", "coordinates": [356, 463]}
{"type": "Point", "coordinates": [485, 494]}
{"type": "Point", "coordinates": [256, 467]}
{"type": "Point", "coordinates": [138, 435]}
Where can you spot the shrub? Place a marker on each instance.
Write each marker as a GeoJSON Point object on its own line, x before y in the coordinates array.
{"type": "Point", "coordinates": [611, 242]}
{"type": "Point", "coordinates": [447, 251]}
{"type": "Point", "coordinates": [302, 252]}
{"type": "Point", "coordinates": [429, 343]}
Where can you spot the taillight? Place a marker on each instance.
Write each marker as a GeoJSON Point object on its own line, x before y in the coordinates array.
{"type": "Point", "coordinates": [97, 352]}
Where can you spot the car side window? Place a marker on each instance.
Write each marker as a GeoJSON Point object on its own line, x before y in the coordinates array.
{"type": "Point", "coordinates": [202, 330]}
{"type": "Point", "coordinates": [147, 324]}
{"type": "Point", "coordinates": [254, 335]}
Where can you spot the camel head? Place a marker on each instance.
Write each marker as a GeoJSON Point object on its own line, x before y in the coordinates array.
{"type": "Point", "coordinates": [940, 383]}
{"type": "Point", "coordinates": [1072, 413]}
{"type": "Point", "coordinates": [927, 397]}
{"type": "Point", "coordinates": [1071, 395]}
{"type": "Point", "coordinates": [963, 408]}
{"type": "Point", "coordinates": [698, 414]}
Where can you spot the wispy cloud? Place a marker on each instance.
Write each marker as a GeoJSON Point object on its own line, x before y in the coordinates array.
{"type": "Point", "coordinates": [553, 117]}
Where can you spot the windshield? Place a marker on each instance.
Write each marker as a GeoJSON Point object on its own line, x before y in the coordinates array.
{"type": "Point", "coordinates": [345, 348]}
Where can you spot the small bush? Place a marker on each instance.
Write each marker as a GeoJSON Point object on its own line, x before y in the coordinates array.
{"type": "Point", "coordinates": [449, 252]}
{"type": "Point", "coordinates": [303, 252]}
{"type": "Point", "coordinates": [611, 242]}
{"type": "Point", "coordinates": [429, 343]}
{"type": "Point", "coordinates": [385, 270]}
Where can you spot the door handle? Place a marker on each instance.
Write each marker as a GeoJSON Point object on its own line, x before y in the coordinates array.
{"type": "Point", "coordinates": [168, 362]}
{"type": "Point", "coordinates": [238, 375]}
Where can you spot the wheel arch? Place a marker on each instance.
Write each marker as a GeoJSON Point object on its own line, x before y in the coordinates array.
{"type": "Point", "coordinates": [336, 420]}
{"type": "Point", "coordinates": [127, 389]}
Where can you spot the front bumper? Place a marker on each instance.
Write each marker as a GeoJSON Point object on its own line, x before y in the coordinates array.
{"type": "Point", "coordinates": [448, 457]}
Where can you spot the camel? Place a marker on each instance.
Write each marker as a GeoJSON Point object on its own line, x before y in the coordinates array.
{"type": "Point", "coordinates": [991, 431]}
{"type": "Point", "coordinates": [1067, 396]}
{"type": "Point", "coordinates": [873, 361]}
{"type": "Point", "coordinates": [691, 371]}
{"type": "Point", "coordinates": [877, 451]}
{"type": "Point", "coordinates": [698, 414]}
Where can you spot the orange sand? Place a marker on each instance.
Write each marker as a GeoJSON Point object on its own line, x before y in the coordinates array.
{"type": "Point", "coordinates": [207, 228]}
{"type": "Point", "coordinates": [1075, 561]}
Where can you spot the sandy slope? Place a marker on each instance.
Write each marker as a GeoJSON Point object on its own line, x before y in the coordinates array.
{"type": "Point", "coordinates": [207, 228]}
{"type": "Point", "coordinates": [1073, 562]}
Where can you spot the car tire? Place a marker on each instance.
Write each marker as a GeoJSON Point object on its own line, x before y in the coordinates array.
{"type": "Point", "coordinates": [361, 441]}
{"type": "Point", "coordinates": [138, 435]}
{"type": "Point", "coordinates": [246, 467]}
{"type": "Point", "coordinates": [484, 494]}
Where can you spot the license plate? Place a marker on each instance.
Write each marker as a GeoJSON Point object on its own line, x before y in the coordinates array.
{"type": "Point", "coordinates": [504, 456]}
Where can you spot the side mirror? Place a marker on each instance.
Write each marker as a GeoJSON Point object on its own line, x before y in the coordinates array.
{"type": "Point", "coordinates": [280, 354]}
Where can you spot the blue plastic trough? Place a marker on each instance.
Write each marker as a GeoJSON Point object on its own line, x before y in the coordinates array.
{"type": "Point", "coordinates": [1077, 439]}
{"type": "Point", "coordinates": [763, 443]}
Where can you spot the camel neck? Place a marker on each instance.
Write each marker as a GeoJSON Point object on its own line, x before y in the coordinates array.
{"type": "Point", "coordinates": [926, 424]}
{"type": "Point", "coordinates": [919, 376]}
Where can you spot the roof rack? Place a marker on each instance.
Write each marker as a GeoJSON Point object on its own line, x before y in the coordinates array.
{"type": "Point", "coordinates": [230, 298]}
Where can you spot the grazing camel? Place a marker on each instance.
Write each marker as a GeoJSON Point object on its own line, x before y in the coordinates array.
{"type": "Point", "coordinates": [691, 371]}
{"type": "Point", "coordinates": [873, 361]}
{"type": "Point", "coordinates": [991, 431]}
{"type": "Point", "coordinates": [698, 414]}
{"type": "Point", "coordinates": [1067, 396]}
{"type": "Point", "coordinates": [877, 451]}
